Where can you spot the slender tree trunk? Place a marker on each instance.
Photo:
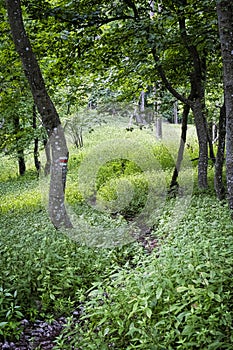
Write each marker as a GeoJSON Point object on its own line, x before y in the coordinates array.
{"type": "Point", "coordinates": [210, 142]}
{"type": "Point", "coordinates": [201, 127]}
{"type": "Point", "coordinates": [158, 117]}
{"type": "Point", "coordinates": [225, 15]}
{"type": "Point", "coordinates": [175, 112]}
{"type": "Point", "coordinates": [47, 110]}
{"type": "Point", "coordinates": [218, 176]}
{"type": "Point", "coordinates": [21, 163]}
{"type": "Point", "coordinates": [36, 140]}
{"type": "Point", "coordinates": [210, 131]}
{"type": "Point", "coordinates": [159, 128]}
{"type": "Point", "coordinates": [174, 183]}
{"type": "Point", "coordinates": [19, 148]}
{"type": "Point", "coordinates": [141, 110]}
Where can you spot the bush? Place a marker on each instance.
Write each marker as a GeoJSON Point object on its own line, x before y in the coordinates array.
{"type": "Point", "coordinates": [126, 195]}
{"type": "Point", "coordinates": [115, 169]}
{"type": "Point", "coordinates": [163, 156]}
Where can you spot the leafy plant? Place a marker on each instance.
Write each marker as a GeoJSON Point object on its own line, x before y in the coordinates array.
{"type": "Point", "coordinates": [10, 314]}
{"type": "Point", "coordinates": [115, 169]}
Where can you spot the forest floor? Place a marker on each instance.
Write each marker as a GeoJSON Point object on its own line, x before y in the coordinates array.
{"type": "Point", "coordinates": [57, 292]}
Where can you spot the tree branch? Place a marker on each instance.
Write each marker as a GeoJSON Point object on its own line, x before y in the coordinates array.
{"type": "Point", "coordinates": [167, 84]}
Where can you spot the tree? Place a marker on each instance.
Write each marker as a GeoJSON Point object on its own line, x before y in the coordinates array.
{"type": "Point", "coordinates": [47, 110]}
{"type": "Point", "coordinates": [16, 132]}
{"type": "Point", "coordinates": [14, 100]}
{"type": "Point", "coordinates": [186, 17]}
{"type": "Point", "coordinates": [225, 15]}
{"type": "Point", "coordinates": [173, 41]}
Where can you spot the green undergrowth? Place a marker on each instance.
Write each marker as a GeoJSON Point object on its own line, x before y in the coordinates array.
{"type": "Point", "coordinates": [177, 295]}
{"type": "Point", "coordinates": [44, 273]}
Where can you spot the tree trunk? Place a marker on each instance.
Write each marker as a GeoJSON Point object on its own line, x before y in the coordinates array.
{"type": "Point", "coordinates": [159, 128]}
{"type": "Point", "coordinates": [45, 107]}
{"type": "Point", "coordinates": [210, 141]}
{"type": "Point", "coordinates": [36, 140]}
{"type": "Point", "coordinates": [158, 117]}
{"type": "Point", "coordinates": [225, 15]}
{"type": "Point", "coordinates": [201, 127]}
{"type": "Point", "coordinates": [218, 180]}
{"type": "Point", "coordinates": [175, 112]}
{"type": "Point", "coordinates": [141, 110]}
{"type": "Point", "coordinates": [19, 148]}
{"type": "Point", "coordinates": [21, 162]}
{"type": "Point", "coordinates": [174, 183]}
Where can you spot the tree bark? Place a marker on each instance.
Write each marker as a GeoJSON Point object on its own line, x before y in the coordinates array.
{"type": "Point", "coordinates": [48, 157]}
{"type": "Point", "coordinates": [201, 127]}
{"type": "Point", "coordinates": [218, 178]}
{"type": "Point", "coordinates": [47, 110]}
{"type": "Point", "coordinates": [225, 15]}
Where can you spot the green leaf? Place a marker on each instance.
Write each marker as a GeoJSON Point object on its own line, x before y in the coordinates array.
{"type": "Point", "coordinates": [52, 296]}
{"type": "Point", "coordinates": [135, 307]}
{"type": "Point", "coordinates": [159, 292]}
{"type": "Point", "coordinates": [211, 295]}
{"type": "Point", "coordinates": [148, 313]}
{"type": "Point", "coordinates": [106, 331]}
{"type": "Point", "coordinates": [181, 289]}
{"type": "Point", "coordinates": [3, 324]}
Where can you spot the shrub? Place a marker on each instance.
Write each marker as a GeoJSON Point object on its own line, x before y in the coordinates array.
{"type": "Point", "coordinates": [164, 156]}
{"type": "Point", "coordinates": [126, 195]}
{"type": "Point", "coordinates": [115, 169]}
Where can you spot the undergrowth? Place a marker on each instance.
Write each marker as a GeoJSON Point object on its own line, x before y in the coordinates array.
{"type": "Point", "coordinates": [178, 296]}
